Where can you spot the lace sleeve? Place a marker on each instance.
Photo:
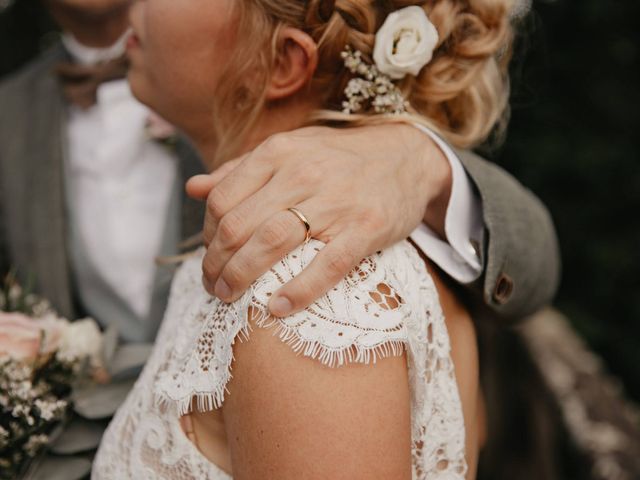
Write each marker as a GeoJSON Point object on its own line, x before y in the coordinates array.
{"type": "Point", "coordinates": [387, 305]}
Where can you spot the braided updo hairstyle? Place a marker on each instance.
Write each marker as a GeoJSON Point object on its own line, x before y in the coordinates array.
{"type": "Point", "coordinates": [462, 93]}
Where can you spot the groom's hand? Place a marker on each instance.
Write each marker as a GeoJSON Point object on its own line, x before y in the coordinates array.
{"type": "Point", "coordinates": [361, 189]}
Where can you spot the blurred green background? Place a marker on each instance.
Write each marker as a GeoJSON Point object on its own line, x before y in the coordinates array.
{"type": "Point", "coordinates": [574, 139]}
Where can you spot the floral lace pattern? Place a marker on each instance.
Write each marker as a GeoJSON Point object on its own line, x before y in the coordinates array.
{"type": "Point", "coordinates": [387, 305]}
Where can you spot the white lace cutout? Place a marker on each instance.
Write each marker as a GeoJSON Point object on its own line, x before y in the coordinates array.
{"type": "Point", "coordinates": [386, 305]}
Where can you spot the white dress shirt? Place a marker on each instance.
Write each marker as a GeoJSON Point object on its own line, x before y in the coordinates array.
{"type": "Point", "coordinates": [120, 182]}
{"type": "Point", "coordinates": [460, 254]}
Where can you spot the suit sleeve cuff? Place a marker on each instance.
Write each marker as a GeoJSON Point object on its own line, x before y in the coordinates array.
{"type": "Point", "coordinates": [460, 254]}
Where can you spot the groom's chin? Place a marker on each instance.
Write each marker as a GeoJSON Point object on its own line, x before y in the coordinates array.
{"type": "Point", "coordinates": [90, 8]}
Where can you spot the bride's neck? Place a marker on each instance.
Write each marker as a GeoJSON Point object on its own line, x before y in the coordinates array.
{"type": "Point", "coordinates": [276, 118]}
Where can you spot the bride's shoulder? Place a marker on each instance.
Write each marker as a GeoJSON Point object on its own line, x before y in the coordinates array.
{"type": "Point", "coordinates": [376, 311]}
{"type": "Point", "coordinates": [361, 329]}
{"type": "Point", "coordinates": [373, 304]}
{"type": "Point", "coordinates": [390, 278]}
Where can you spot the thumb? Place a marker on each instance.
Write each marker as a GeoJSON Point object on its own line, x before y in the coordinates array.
{"type": "Point", "coordinates": [198, 187]}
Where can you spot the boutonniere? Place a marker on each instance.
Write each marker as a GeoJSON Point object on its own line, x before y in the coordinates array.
{"type": "Point", "coordinates": [161, 131]}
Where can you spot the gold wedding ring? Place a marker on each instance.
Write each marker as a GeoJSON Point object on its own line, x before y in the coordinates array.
{"type": "Point", "coordinates": [304, 221]}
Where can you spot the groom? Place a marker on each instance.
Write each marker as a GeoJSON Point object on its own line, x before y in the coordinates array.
{"type": "Point", "coordinates": [88, 199]}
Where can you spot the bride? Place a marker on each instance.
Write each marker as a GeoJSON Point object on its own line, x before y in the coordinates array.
{"type": "Point", "coordinates": [362, 383]}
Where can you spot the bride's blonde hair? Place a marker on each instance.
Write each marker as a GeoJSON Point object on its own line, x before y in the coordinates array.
{"type": "Point", "coordinates": [462, 93]}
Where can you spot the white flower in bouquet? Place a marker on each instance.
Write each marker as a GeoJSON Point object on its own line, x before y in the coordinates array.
{"type": "Point", "coordinates": [15, 293]}
{"type": "Point", "coordinates": [53, 328]}
{"type": "Point", "coordinates": [34, 443]}
{"type": "Point", "coordinates": [81, 339]}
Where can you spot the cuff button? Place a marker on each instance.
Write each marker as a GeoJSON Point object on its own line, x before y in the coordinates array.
{"type": "Point", "coordinates": [503, 289]}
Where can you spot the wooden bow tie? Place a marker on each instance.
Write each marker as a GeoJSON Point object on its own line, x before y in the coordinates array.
{"type": "Point", "coordinates": [80, 82]}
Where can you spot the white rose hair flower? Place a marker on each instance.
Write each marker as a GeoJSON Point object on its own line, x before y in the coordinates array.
{"type": "Point", "coordinates": [405, 43]}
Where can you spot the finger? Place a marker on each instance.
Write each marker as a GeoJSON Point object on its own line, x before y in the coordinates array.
{"type": "Point", "coordinates": [199, 186]}
{"type": "Point", "coordinates": [328, 268]}
{"type": "Point", "coordinates": [243, 181]}
{"type": "Point", "coordinates": [238, 226]}
{"type": "Point", "coordinates": [223, 170]}
{"type": "Point", "coordinates": [277, 236]}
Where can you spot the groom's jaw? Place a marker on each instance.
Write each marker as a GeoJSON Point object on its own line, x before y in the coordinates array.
{"type": "Point", "coordinates": [93, 23]}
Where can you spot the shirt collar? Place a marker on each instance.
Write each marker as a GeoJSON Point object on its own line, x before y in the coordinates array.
{"type": "Point", "coordinates": [89, 55]}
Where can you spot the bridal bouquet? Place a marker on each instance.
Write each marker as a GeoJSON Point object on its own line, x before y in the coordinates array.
{"type": "Point", "coordinates": [42, 358]}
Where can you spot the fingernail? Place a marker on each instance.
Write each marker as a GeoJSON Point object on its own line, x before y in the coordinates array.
{"type": "Point", "coordinates": [222, 290]}
{"type": "Point", "coordinates": [280, 306]}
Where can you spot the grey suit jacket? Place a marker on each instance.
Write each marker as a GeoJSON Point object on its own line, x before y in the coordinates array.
{"type": "Point", "coordinates": [33, 217]}
{"type": "Point", "coordinates": [521, 255]}
{"type": "Point", "coordinates": [522, 262]}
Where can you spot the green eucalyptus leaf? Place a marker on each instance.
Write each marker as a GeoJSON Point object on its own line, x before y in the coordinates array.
{"type": "Point", "coordinates": [101, 401]}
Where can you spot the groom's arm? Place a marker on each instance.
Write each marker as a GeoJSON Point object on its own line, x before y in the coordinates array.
{"type": "Point", "coordinates": [521, 269]}
{"type": "Point", "coordinates": [363, 190]}
{"type": "Point", "coordinates": [483, 238]}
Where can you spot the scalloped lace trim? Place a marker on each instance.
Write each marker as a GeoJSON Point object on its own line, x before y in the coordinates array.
{"type": "Point", "coordinates": [210, 400]}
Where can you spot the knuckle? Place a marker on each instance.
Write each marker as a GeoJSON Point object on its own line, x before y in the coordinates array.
{"type": "Point", "coordinates": [233, 274]}
{"type": "Point", "coordinates": [319, 164]}
{"type": "Point", "coordinates": [208, 232]}
{"type": "Point", "coordinates": [229, 230]}
{"type": "Point", "coordinates": [339, 262]}
{"type": "Point", "coordinates": [372, 221]}
{"type": "Point", "coordinates": [216, 203]}
{"type": "Point", "coordinates": [209, 269]}
{"type": "Point", "coordinates": [301, 292]}
{"type": "Point", "coordinates": [274, 233]}
{"type": "Point", "coordinates": [306, 176]}
{"type": "Point", "coordinates": [277, 145]}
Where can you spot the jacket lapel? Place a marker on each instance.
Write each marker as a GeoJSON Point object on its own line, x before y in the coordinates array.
{"type": "Point", "coordinates": [192, 212]}
{"type": "Point", "coordinates": [47, 208]}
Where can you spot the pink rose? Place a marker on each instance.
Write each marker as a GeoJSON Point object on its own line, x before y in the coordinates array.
{"type": "Point", "coordinates": [20, 337]}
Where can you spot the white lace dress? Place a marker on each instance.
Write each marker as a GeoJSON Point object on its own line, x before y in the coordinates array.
{"type": "Point", "coordinates": [387, 304]}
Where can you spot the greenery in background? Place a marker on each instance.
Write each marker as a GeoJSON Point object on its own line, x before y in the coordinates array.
{"type": "Point", "coordinates": [573, 140]}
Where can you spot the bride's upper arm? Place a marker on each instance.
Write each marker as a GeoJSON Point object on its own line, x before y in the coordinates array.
{"type": "Point", "coordinates": [305, 399]}
{"type": "Point", "coordinates": [289, 417]}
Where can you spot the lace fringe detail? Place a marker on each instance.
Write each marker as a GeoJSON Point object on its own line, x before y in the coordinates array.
{"type": "Point", "coordinates": [328, 357]}
{"type": "Point", "coordinates": [207, 401]}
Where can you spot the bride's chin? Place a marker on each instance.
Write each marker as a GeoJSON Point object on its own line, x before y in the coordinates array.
{"type": "Point", "coordinates": [139, 87]}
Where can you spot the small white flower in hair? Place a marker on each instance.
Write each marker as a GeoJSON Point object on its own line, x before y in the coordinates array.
{"type": "Point", "coordinates": [405, 43]}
